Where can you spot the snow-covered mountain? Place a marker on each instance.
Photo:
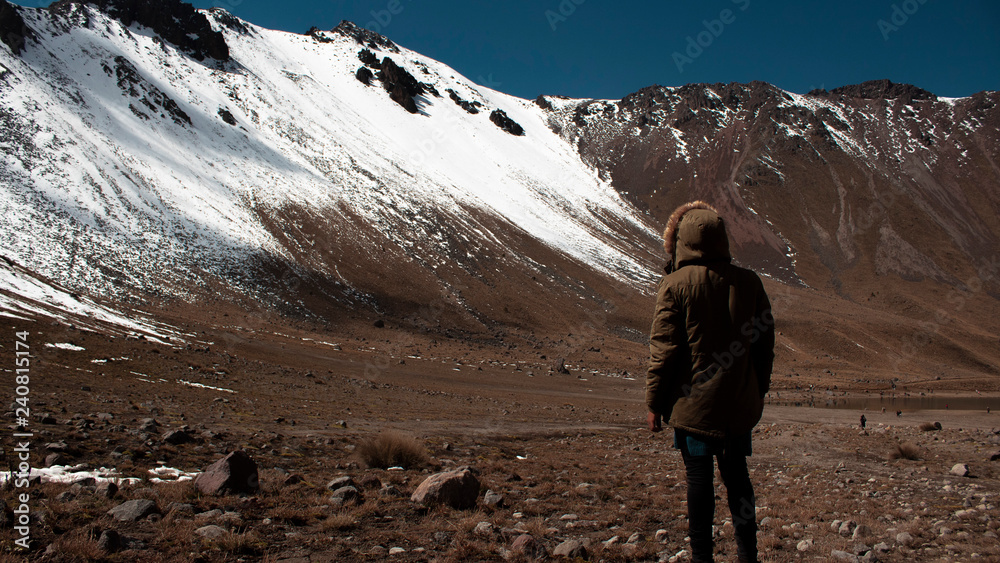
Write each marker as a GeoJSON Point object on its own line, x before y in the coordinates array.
{"type": "Point", "coordinates": [133, 165]}
{"type": "Point", "coordinates": [157, 154]}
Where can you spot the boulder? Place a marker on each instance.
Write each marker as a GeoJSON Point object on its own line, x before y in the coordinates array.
{"type": "Point", "coordinates": [458, 488]}
{"type": "Point", "coordinates": [960, 470]}
{"type": "Point", "coordinates": [526, 545]}
{"type": "Point", "coordinates": [572, 549]}
{"type": "Point", "coordinates": [235, 473]}
{"type": "Point", "coordinates": [110, 541]}
{"type": "Point", "coordinates": [133, 510]}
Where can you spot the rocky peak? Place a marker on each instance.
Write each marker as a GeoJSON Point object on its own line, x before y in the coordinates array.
{"type": "Point", "coordinates": [365, 36]}
{"type": "Point", "coordinates": [877, 90]}
{"type": "Point", "coordinates": [13, 31]}
{"type": "Point", "coordinates": [174, 21]}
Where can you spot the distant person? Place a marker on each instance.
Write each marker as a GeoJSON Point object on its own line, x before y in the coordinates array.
{"type": "Point", "coordinates": [863, 421]}
{"type": "Point", "coordinates": [899, 413]}
{"type": "Point", "coordinates": [711, 352]}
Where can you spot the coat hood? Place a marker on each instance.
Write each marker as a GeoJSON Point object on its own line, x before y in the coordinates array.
{"type": "Point", "coordinates": [695, 232]}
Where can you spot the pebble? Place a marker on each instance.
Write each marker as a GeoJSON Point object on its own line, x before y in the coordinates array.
{"type": "Point", "coordinates": [396, 550]}
{"type": "Point", "coordinates": [804, 545]}
{"type": "Point", "coordinates": [904, 538]}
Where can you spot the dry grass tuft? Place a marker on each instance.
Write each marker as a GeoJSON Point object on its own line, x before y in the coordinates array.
{"type": "Point", "coordinates": [930, 426]}
{"type": "Point", "coordinates": [392, 449]}
{"type": "Point", "coordinates": [906, 450]}
{"type": "Point", "coordinates": [339, 522]}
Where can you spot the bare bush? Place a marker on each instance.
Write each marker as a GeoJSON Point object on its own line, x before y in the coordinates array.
{"type": "Point", "coordinates": [392, 449]}
{"type": "Point", "coordinates": [930, 426]}
{"type": "Point", "coordinates": [906, 450]}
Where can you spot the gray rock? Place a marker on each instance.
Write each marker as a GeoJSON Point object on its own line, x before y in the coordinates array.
{"type": "Point", "coordinates": [110, 541]}
{"type": "Point", "coordinates": [345, 495]}
{"type": "Point", "coordinates": [804, 545]}
{"type": "Point", "coordinates": [493, 499]}
{"type": "Point", "coordinates": [881, 547]}
{"type": "Point", "coordinates": [55, 459]}
{"type": "Point", "coordinates": [573, 549]}
{"type": "Point", "coordinates": [846, 528]}
{"type": "Point", "coordinates": [636, 538]}
{"type": "Point", "coordinates": [458, 489]}
{"type": "Point", "coordinates": [484, 529]}
{"type": "Point", "coordinates": [211, 531]}
{"type": "Point", "coordinates": [904, 538]}
{"type": "Point", "coordinates": [661, 535]}
{"type": "Point", "coordinates": [133, 510]}
{"type": "Point", "coordinates": [861, 532]}
{"type": "Point", "coordinates": [844, 556]}
{"type": "Point", "coordinates": [235, 473]}
{"type": "Point", "coordinates": [341, 481]}
{"type": "Point", "coordinates": [106, 489]}
{"type": "Point", "coordinates": [177, 437]}
{"type": "Point", "coordinates": [960, 469]}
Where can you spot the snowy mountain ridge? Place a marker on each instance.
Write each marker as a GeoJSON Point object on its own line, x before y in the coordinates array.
{"type": "Point", "coordinates": [137, 166]}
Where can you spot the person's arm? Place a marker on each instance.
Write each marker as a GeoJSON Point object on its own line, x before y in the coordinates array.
{"type": "Point", "coordinates": [762, 351]}
{"type": "Point", "coordinates": [666, 340]}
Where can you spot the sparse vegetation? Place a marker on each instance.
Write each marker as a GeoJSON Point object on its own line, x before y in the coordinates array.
{"type": "Point", "coordinates": [906, 450]}
{"type": "Point", "coordinates": [392, 449]}
{"type": "Point", "coordinates": [930, 426]}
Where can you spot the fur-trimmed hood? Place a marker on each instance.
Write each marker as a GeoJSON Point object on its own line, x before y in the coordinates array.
{"type": "Point", "coordinates": [695, 231]}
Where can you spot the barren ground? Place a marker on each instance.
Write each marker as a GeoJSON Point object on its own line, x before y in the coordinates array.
{"type": "Point", "coordinates": [567, 452]}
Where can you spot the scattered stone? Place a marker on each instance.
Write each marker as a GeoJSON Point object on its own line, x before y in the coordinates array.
{"type": "Point", "coordinates": [610, 542]}
{"type": "Point", "coordinates": [493, 499]}
{"type": "Point", "coordinates": [55, 459]}
{"type": "Point", "coordinates": [636, 538]}
{"type": "Point", "coordinates": [390, 491]}
{"type": "Point", "coordinates": [765, 522]}
{"type": "Point", "coordinates": [458, 488]}
{"type": "Point", "coordinates": [881, 547]}
{"type": "Point", "coordinates": [804, 545]}
{"type": "Point", "coordinates": [177, 437]}
{"type": "Point", "coordinates": [110, 541]}
{"type": "Point", "coordinates": [844, 556]}
{"type": "Point", "coordinates": [484, 529]}
{"type": "Point", "coordinates": [862, 531]}
{"type": "Point", "coordinates": [569, 517]}
{"type": "Point", "coordinates": [396, 550]}
{"type": "Point", "coordinates": [345, 495]}
{"type": "Point", "coordinates": [904, 539]}
{"type": "Point", "coordinates": [342, 481]}
{"type": "Point", "coordinates": [960, 470]}
{"type": "Point", "coordinates": [573, 549]}
{"type": "Point", "coordinates": [528, 546]}
{"type": "Point", "coordinates": [660, 535]}
{"type": "Point", "coordinates": [235, 473]}
{"type": "Point", "coordinates": [106, 489]}
{"type": "Point", "coordinates": [211, 531]}
{"type": "Point", "coordinates": [133, 510]}
{"type": "Point", "coordinates": [846, 528]}
{"type": "Point", "coordinates": [293, 479]}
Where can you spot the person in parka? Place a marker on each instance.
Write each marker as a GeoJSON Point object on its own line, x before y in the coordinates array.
{"type": "Point", "coordinates": [711, 349]}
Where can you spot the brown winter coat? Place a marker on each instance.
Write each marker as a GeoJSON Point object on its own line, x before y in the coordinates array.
{"type": "Point", "coordinates": [712, 340]}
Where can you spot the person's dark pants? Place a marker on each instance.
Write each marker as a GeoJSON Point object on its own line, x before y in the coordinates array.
{"type": "Point", "coordinates": [701, 503]}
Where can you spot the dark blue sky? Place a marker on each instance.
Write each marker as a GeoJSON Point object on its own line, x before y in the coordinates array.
{"type": "Point", "coordinates": [607, 49]}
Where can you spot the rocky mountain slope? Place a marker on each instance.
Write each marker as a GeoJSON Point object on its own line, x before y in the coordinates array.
{"type": "Point", "coordinates": [161, 157]}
